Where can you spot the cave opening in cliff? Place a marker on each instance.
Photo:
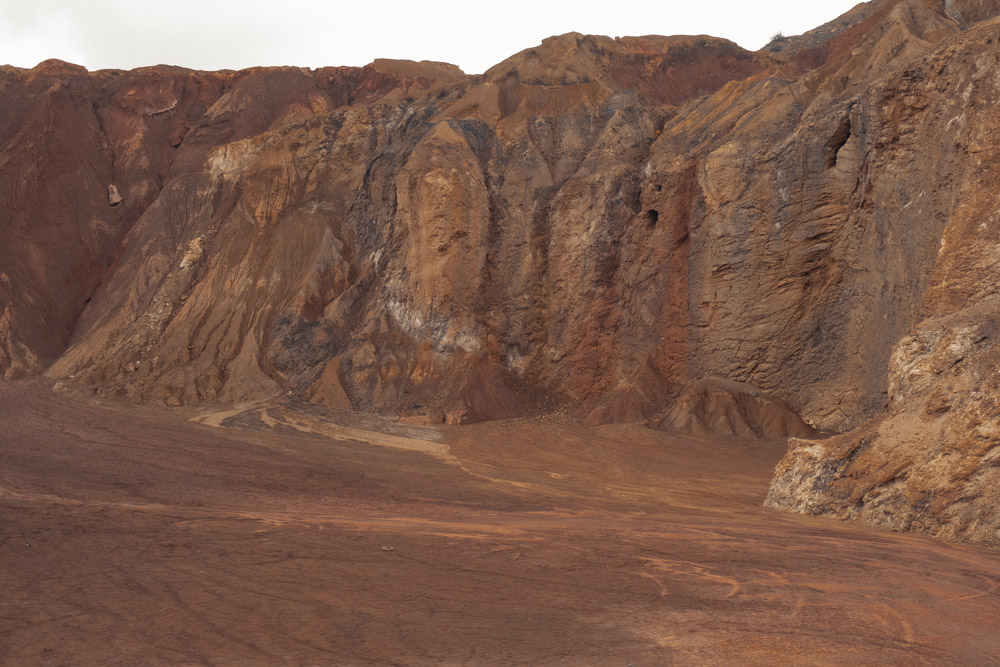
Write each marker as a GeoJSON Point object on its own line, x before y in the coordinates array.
{"type": "Point", "coordinates": [837, 141]}
{"type": "Point", "coordinates": [651, 216]}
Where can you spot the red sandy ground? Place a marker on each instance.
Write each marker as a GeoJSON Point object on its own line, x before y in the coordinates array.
{"type": "Point", "coordinates": [131, 536]}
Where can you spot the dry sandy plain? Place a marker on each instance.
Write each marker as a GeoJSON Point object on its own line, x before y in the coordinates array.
{"type": "Point", "coordinates": [279, 536]}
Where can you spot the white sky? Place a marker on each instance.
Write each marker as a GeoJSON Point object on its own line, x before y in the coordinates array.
{"type": "Point", "coordinates": [230, 34]}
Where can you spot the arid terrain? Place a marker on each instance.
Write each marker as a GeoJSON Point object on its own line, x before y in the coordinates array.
{"type": "Point", "coordinates": [575, 361]}
{"type": "Point", "coordinates": [131, 536]}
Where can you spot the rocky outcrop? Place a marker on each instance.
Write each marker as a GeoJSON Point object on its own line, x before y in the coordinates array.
{"type": "Point", "coordinates": [931, 464]}
{"type": "Point", "coordinates": [66, 134]}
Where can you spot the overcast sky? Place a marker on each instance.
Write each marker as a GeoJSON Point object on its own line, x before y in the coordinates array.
{"type": "Point", "coordinates": [226, 34]}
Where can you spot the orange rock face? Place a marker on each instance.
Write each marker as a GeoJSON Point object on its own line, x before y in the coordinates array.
{"type": "Point", "coordinates": [931, 463]}
{"type": "Point", "coordinates": [85, 155]}
{"type": "Point", "coordinates": [594, 224]}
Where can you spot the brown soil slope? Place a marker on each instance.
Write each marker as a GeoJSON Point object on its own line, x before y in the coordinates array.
{"type": "Point", "coordinates": [130, 536]}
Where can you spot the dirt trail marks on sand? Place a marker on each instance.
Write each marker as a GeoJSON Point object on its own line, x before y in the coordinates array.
{"type": "Point", "coordinates": [132, 536]}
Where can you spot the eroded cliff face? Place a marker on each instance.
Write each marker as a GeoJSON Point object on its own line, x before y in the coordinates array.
{"type": "Point", "coordinates": [456, 253]}
{"type": "Point", "coordinates": [932, 463]}
{"type": "Point", "coordinates": [67, 136]}
{"type": "Point", "coordinates": [593, 224]}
